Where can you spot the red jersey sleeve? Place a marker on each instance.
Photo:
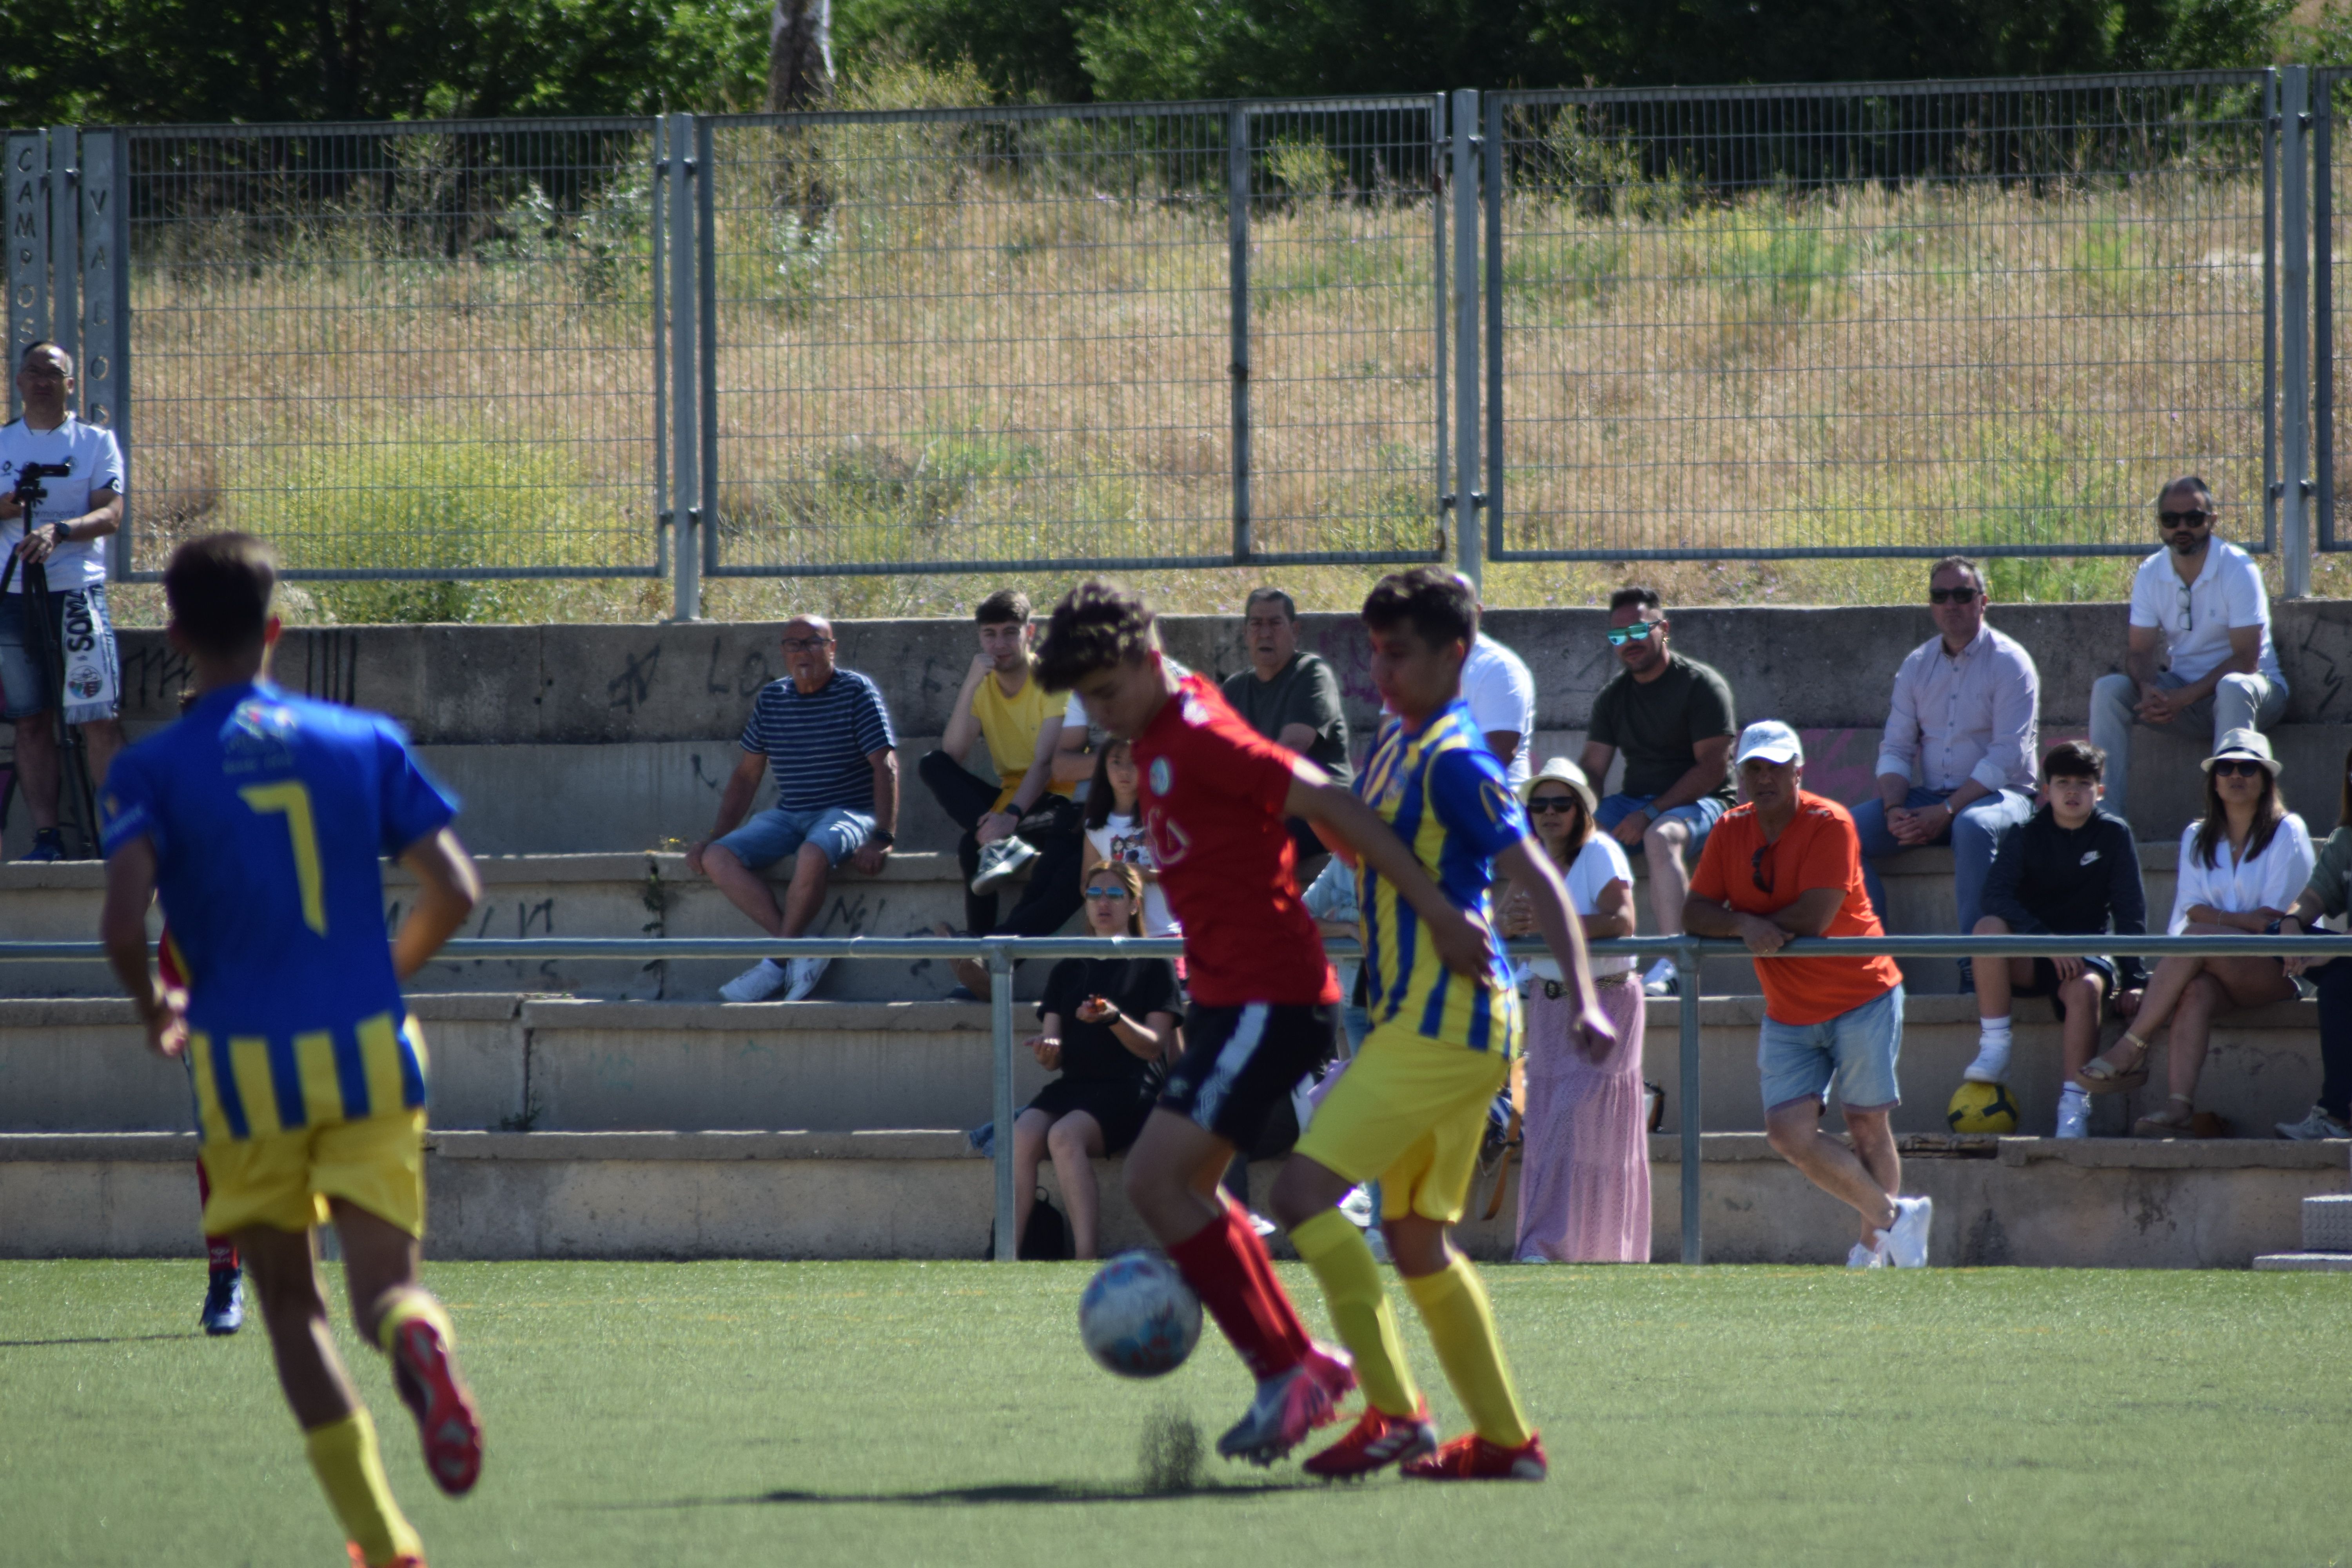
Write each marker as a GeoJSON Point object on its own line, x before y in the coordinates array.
{"type": "Point", "coordinates": [1245, 764]}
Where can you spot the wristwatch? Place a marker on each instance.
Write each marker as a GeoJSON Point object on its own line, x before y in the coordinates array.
{"type": "Point", "coordinates": [60, 535]}
{"type": "Point", "coordinates": [883, 837]}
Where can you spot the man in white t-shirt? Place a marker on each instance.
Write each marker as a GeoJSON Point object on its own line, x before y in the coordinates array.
{"type": "Point", "coordinates": [1502, 697]}
{"type": "Point", "coordinates": [77, 468]}
{"type": "Point", "coordinates": [2199, 657]}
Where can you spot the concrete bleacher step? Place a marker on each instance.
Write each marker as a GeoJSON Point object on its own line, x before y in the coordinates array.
{"type": "Point", "coordinates": [925, 1194]}
{"type": "Point", "coordinates": [2327, 1239]}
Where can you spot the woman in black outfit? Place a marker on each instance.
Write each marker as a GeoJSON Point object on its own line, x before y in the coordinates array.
{"type": "Point", "coordinates": [1109, 1027]}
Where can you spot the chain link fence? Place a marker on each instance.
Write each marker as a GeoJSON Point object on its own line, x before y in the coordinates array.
{"type": "Point", "coordinates": [2331, 96]}
{"type": "Point", "coordinates": [1877, 320]}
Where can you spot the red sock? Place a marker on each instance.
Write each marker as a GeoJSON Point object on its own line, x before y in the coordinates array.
{"type": "Point", "coordinates": [1269, 1284]}
{"type": "Point", "coordinates": [1220, 1273]}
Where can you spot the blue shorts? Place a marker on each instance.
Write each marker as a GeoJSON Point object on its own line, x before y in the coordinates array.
{"type": "Point", "coordinates": [1698, 815]}
{"type": "Point", "coordinates": [1857, 1050]}
{"type": "Point", "coordinates": [772, 835]}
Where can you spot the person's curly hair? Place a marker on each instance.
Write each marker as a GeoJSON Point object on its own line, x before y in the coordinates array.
{"type": "Point", "coordinates": [1098, 623]}
{"type": "Point", "coordinates": [1438, 604]}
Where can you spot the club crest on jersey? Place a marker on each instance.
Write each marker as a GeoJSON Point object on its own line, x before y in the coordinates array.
{"type": "Point", "coordinates": [256, 738]}
{"type": "Point", "coordinates": [1162, 775]}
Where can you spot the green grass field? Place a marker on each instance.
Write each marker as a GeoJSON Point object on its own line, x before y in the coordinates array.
{"type": "Point", "coordinates": [756, 1413]}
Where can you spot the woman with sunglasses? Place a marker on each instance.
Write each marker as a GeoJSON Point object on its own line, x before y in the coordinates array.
{"type": "Point", "coordinates": [2241, 865]}
{"type": "Point", "coordinates": [1584, 1181]}
{"type": "Point", "coordinates": [1108, 1027]}
{"type": "Point", "coordinates": [2328, 895]}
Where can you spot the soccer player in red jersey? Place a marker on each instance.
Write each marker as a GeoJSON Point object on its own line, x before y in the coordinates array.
{"type": "Point", "coordinates": [1265, 1003]}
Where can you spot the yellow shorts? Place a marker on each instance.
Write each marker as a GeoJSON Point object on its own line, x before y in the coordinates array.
{"type": "Point", "coordinates": [283, 1179]}
{"type": "Point", "coordinates": [1409, 1113]}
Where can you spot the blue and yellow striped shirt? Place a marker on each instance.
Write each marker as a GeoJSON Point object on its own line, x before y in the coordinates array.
{"type": "Point", "coordinates": [1446, 795]}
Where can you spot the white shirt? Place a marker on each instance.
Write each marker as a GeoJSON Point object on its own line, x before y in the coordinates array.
{"type": "Point", "coordinates": [1601, 862]}
{"type": "Point", "coordinates": [1964, 716]}
{"type": "Point", "coordinates": [2270, 880]}
{"type": "Point", "coordinates": [1502, 697]}
{"type": "Point", "coordinates": [97, 464]}
{"type": "Point", "coordinates": [1121, 838]}
{"type": "Point", "coordinates": [2197, 617]}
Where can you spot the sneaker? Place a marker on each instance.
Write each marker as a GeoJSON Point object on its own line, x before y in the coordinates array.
{"type": "Point", "coordinates": [1377, 1441]}
{"type": "Point", "coordinates": [805, 973]}
{"type": "Point", "coordinates": [48, 846]}
{"type": "Point", "coordinates": [1471, 1457]}
{"type": "Point", "coordinates": [2314, 1127]}
{"type": "Point", "coordinates": [757, 984]}
{"type": "Point", "coordinates": [1865, 1256]}
{"type": "Point", "coordinates": [1664, 980]}
{"type": "Point", "coordinates": [225, 1303]}
{"type": "Point", "coordinates": [1358, 1208]}
{"type": "Point", "coordinates": [1991, 1065]}
{"type": "Point", "coordinates": [1260, 1224]}
{"type": "Point", "coordinates": [2073, 1116]}
{"type": "Point", "coordinates": [1906, 1240]}
{"type": "Point", "coordinates": [999, 860]}
{"type": "Point", "coordinates": [445, 1419]}
{"type": "Point", "coordinates": [1290, 1405]}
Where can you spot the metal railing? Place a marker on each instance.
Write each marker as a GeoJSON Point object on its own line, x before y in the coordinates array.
{"type": "Point", "coordinates": [999, 954]}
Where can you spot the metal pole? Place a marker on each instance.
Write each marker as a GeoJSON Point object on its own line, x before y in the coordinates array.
{"type": "Point", "coordinates": [1493, 190]}
{"type": "Point", "coordinates": [1238, 199]}
{"type": "Point", "coordinates": [2271, 486]}
{"type": "Point", "coordinates": [2295, 323]}
{"type": "Point", "coordinates": [2323, 315]}
{"type": "Point", "coordinates": [1000, 1014]}
{"type": "Point", "coordinates": [1440, 278]}
{"type": "Point", "coordinates": [1687, 965]}
{"type": "Point", "coordinates": [684, 393]}
{"type": "Point", "coordinates": [1469, 544]}
{"type": "Point", "coordinates": [105, 371]}
{"type": "Point", "coordinates": [65, 251]}
{"type": "Point", "coordinates": [705, 344]}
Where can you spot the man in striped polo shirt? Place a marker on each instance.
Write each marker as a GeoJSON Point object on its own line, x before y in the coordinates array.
{"type": "Point", "coordinates": [828, 737]}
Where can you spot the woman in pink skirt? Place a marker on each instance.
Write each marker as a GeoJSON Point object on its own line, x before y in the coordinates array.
{"type": "Point", "coordinates": [1584, 1177]}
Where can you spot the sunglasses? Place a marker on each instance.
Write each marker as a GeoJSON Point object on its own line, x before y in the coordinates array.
{"type": "Point", "coordinates": [1756, 869]}
{"type": "Point", "coordinates": [1552, 802]}
{"type": "Point", "coordinates": [1638, 632]}
{"type": "Point", "coordinates": [2238, 767]}
{"type": "Point", "coordinates": [1951, 595]}
{"type": "Point", "coordinates": [2184, 519]}
{"type": "Point", "coordinates": [1106, 892]}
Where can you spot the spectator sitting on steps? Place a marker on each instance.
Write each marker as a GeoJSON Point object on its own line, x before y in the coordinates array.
{"type": "Point", "coordinates": [1293, 699]}
{"type": "Point", "coordinates": [2198, 650]}
{"type": "Point", "coordinates": [2329, 894]}
{"type": "Point", "coordinates": [2073, 869]}
{"type": "Point", "coordinates": [1115, 830]}
{"type": "Point", "coordinates": [2241, 865]}
{"type": "Point", "coordinates": [828, 737]}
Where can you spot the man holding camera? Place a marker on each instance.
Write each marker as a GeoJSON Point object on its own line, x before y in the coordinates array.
{"type": "Point", "coordinates": [60, 497]}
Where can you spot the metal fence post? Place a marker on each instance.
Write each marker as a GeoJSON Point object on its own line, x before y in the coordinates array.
{"type": "Point", "coordinates": [1000, 1014]}
{"type": "Point", "coordinates": [1492, 191]}
{"type": "Point", "coordinates": [685, 392]}
{"type": "Point", "coordinates": [106, 307]}
{"type": "Point", "coordinates": [2323, 313]}
{"type": "Point", "coordinates": [1686, 965]}
{"type": "Point", "coordinates": [28, 248]}
{"type": "Point", "coordinates": [65, 249]}
{"type": "Point", "coordinates": [1238, 199]}
{"type": "Point", "coordinates": [1469, 544]}
{"type": "Point", "coordinates": [705, 363]}
{"type": "Point", "coordinates": [2295, 326]}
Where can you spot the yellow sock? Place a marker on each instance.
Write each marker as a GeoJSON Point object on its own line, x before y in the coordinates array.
{"type": "Point", "coordinates": [1336, 1250]}
{"type": "Point", "coordinates": [414, 1303]}
{"type": "Point", "coordinates": [351, 1471]}
{"type": "Point", "coordinates": [1462, 1330]}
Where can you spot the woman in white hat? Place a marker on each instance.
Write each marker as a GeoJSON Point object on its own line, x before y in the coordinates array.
{"type": "Point", "coordinates": [2242, 865]}
{"type": "Point", "coordinates": [1584, 1182]}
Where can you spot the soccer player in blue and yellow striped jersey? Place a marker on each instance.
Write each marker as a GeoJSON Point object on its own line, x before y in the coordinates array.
{"type": "Point", "coordinates": [260, 818]}
{"type": "Point", "coordinates": [1411, 1110]}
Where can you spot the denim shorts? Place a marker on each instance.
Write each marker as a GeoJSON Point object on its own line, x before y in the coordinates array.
{"type": "Point", "coordinates": [28, 676]}
{"type": "Point", "coordinates": [772, 835]}
{"type": "Point", "coordinates": [1855, 1050]}
{"type": "Point", "coordinates": [1698, 815]}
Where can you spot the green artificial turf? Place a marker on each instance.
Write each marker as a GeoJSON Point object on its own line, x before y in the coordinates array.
{"type": "Point", "coordinates": [759, 1413]}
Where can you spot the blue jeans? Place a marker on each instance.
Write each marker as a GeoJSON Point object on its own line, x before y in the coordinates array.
{"type": "Point", "coordinates": [1974, 835]}
{"type": "Point", "coordinates": [1855, 1052]}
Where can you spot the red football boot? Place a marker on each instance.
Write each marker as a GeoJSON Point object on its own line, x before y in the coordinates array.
{"type": "Point", "coordinates": [1290, 1405]}
{"type": "Point", "coordinates": [1471, 1457]}
{"type": "Point", "coordinates": [445, 1419]}
{"type": "Point", "coordinates": [1377, 1441]}
{"type": "Point", "coordinates": [358, 1558]}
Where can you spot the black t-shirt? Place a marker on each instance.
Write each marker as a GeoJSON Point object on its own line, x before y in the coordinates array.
{"type": "Point", "coordinates": [1658, 726]}
{"type": "Point", "coordinates": [1138, 986]}
{"type": "Point", "coordinates": [1304, 692]}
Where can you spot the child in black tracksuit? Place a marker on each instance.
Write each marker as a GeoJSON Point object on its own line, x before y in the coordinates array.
{"type": "Point", "coordinates": [2072, 869]}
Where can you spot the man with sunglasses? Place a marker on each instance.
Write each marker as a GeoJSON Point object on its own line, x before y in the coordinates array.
{"type": "Point", "coordinates": [1963, 722]}
{"type": "Point", "coordinates": [2199, 651]}
{"type": "Point", "coordinates": [1787, 864]}
{"type": "Point", "coordinates": [1674, 719]}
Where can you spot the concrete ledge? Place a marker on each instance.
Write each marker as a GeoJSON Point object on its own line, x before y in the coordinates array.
{"type": "Point", "coordinates": [896, 1145]}
{"type": "Point", "coordinates": [2303, 1263]}
{"type": "Point", "coordinates": [817, 1018]}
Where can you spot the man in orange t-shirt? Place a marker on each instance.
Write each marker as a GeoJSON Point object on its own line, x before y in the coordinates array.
{"type": "Point", "coordinates": [1788, 864]}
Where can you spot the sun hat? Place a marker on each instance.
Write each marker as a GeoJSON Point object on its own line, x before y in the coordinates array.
{"type": "Point", "coordinates": [1562, 771]}
{"type": "Point", "coordinates": [1771, 739]}
{"type": "Point", "coordinates": [2245, 744]}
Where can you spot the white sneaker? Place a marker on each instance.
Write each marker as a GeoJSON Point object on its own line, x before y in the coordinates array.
{"type": "Point", "coordinates": [1358, 1206]}
{"type": "Point", "coordinates": [999, 860]}
{"type": "Point", "coordinates": [1260, 1224]}
{"type": "Point", "coordinates": [1866, 1257]}
{"type": "Point", "coordinates": [2318, 1124]}
{"type": "Point", "coordinates": [2073, 1116]}
{"type": "Point", "coordinates": [757, 984]}
{"type": "Point", "coordinates": [805, 973]}
{"type": "Point", "coordinates": [1663, 980]}
{"type": "Point", "coordinates": [1991, 1065]}
{"type": "Point", "coordinates": [1905, 1241]}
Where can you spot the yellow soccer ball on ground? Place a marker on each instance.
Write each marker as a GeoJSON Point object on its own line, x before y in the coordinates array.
{"type": "Point", "coordinates": [1982, 1107]}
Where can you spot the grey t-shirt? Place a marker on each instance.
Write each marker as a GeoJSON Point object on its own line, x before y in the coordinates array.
{"type": "Point", "coordinates": [1659, 725]}
{"type": "Point", "coordinates": [1303, 691]}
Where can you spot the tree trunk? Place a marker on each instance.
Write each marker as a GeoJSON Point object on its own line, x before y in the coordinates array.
{"type": "Point", "coordinates": [800, 54]}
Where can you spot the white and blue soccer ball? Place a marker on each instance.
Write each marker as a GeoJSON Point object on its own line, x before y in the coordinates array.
{"type": "Point", "coordinates": [1138, 1317]}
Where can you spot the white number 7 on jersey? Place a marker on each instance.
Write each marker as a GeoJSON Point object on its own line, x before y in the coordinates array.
{"type": "Point", "coordinates": [293, 799]}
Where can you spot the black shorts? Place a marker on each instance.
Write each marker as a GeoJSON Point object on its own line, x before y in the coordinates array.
{"type": "Point", "coordinates": [1118, 1108]}
{"type": "Point", "coordinates": [2045, 983]}
{"type": "Point", "coordinates": [1240, 1063]}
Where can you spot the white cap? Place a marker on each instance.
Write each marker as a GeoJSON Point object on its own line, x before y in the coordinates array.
{"type": "Point", "coordinates": [1771, 739]}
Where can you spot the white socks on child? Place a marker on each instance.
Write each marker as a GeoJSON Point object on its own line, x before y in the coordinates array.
{"type": "Point", "coordinates": [1991, 1065]}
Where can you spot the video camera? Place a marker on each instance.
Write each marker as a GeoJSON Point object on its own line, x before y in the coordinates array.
{"type": "Point", "coordinates": [30, 492]}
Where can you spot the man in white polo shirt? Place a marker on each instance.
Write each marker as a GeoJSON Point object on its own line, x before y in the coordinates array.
{"type": "Point", "coordinates": [79, 470]}
{"type": "Point", "coordinates": [2200, 601]}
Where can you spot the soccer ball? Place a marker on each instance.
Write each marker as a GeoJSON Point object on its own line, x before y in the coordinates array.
{"type": "Point", "coordinates": [1138, 1317]}
{"type": "Point", "coordinates": [1982, 1107]}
